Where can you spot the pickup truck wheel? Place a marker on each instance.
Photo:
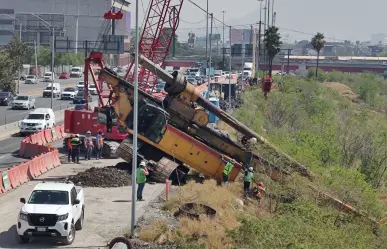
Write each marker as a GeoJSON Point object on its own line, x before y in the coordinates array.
{"type": "Point", "coordinates": [79, 224]}
{"type": "Point", "coordinates": [70, 238]}
{"type": "Point", "coordinates": [23, 239]}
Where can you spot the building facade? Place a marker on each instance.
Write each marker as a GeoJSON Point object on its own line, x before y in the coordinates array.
{"type": "Point", "coordinates": [80, 20]}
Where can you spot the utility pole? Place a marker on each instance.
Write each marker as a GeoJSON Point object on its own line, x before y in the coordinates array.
{"type": "Point", "coordinates": [135, 131]}
{"type": "Point", "coordinates": [259, 47]}
{"type": "Point", "coordinates": [268, 14]}
{"type": "Point", "coordinates": [18, 71]}
{"type": "Point", "coordinates": [208, 66]}
{"type": "Point", "coordinates": [272, 12]}
{"type": "Point", "coordinates": [36, 60]}
{"type": "Point", "coordinates": [76, 28]}
{"type": "Point", "coordinates": [223, 64]}
{"type": "Point", "coordinates": [264, 30]}
{"type": "Point", "coordinates": [52, 64]}
{"type": "Point", "coordinates": [210, 54]}
{"type": "Point", "coordinates": [229, 75]}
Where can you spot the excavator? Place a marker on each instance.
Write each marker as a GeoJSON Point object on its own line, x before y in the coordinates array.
{"type": "Point", "coordinates": [174, 136]}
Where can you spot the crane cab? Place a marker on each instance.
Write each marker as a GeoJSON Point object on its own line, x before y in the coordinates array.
{"type": "Point", "coordinates": [151, 122]}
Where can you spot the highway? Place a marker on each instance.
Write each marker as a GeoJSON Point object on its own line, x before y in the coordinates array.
{"type": "Point", "coordinates": [7, 115]}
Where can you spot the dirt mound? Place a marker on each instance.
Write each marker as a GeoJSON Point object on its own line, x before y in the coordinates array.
{"type": "Point", "coordinates": [343, 89]}
{"type": "Point", "coordinates": [107, 177]}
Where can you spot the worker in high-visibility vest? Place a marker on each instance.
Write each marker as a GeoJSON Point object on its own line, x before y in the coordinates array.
{"type": "Point", "coordinates": [99, 142]}
{"type": "Point", "coordinates": [141, 174]}
{"type": "Point", "coordinates": [76, 148]}
{"type": "Point", "coordinates": [229, 165]}
{"type": "Point", "coordinates": [69, 148]}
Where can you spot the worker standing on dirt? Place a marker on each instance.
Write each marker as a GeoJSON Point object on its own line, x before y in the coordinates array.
{"type": "Point", "coordinates": [247, 181]}
{"type": "Point", "coordinates": [88, 145]}
{"type": "Point", "coordinates": [141, 174]}
{"type": "Point", "coordinates": [266, 85]}
{"type": "Point", "coordinates": [229, 165]}
{"type": "Point", "coordinates": [76, 147]}
{"type": "Point", "coordinates": [69, 147]}
{"type": "Point", "coordinates": [99, 147]}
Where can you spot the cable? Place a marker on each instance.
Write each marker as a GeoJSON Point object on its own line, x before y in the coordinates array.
{"type": "Point", "coordinates": [181, 20]}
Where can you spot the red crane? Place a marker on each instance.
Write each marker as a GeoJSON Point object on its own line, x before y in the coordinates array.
{"type": "Point", "coordinates": [159, 29]}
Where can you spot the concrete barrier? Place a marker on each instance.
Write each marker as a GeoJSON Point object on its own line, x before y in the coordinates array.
{"type": "Point", "coordinates": [13, 128]}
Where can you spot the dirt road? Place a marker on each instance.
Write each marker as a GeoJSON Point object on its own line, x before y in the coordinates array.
{"type": "Point", "coordinates": [107, 213]}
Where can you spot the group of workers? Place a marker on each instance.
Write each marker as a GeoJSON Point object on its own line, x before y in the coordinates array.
{"type": "Point", "coordinates": [248, 179]}
{"type": "Point", "coordinates": [74, 144]}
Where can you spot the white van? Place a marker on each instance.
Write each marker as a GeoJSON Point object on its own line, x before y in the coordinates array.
{"type": "Point", "coordinates": [55, 90]}
{"type": "Point", "coordinates": [37, 120]}
{"type": "Point", "coordinates": [76, 72]}
{"type": "Point", "coordinates": [49, 77]}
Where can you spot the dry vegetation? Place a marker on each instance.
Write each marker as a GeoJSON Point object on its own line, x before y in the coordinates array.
{"type": "Point", "coordinates": [333, 130]}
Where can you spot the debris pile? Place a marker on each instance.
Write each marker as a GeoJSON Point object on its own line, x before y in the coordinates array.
{"type": "Point", "coordinates": [106, 177]}
{"type": "Point", "coordinates": [235, 103]}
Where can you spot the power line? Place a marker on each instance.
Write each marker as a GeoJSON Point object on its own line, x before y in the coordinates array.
{"type": "Point", "coordinates": [181, 20]}
{"type": "Point", "coordinates": [207, 12]}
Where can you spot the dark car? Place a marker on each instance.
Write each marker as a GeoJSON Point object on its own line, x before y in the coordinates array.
{"type": "Point", "coordinates": [80, 98]}
{"type": "Point", "coordinates": [80, 107]}
{"type": "Point", "coordinates": [6, 98]}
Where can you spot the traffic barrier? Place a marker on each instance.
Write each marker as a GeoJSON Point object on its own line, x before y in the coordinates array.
{"type": "Point", "coordinates": [58, 132]}
{"type": "Point", "coordinates": [33, 170]}
{"type": "Point", "coordinates": [31, 150]}
{"type": "Point", "coordinates": [23, 167]}
{"type": "Point", "coordinates": [48, 135]}
{"type": "Point", "coordinates": [13, 176]}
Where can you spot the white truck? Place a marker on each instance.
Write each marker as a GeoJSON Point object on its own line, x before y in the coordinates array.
{"type": "Point", "coordinates": [248, 69]}
{"type": "Point", "coordinates": [76, 72]}
{"type": "Point", "coordinates": [54, 209]}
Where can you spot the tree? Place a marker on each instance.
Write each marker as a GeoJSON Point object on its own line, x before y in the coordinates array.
{"type": "Point", "coordinates": [44, 56]}
{"type": "Point", "coordinates": [272, 42]}
{"type": "Point", "coordinates": [318, 43]}
{"type": "Point", "coordinates": [11, 59]}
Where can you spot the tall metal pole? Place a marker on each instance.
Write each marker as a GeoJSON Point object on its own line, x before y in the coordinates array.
{"type": "Point", "coordinates": [207, 39]}
{"type": "Point", "coordinates": [135, 121]}
{"type": "Point", "coordinates": [210, 53]}
{"type": "Point", "coordinates": [264, 30]}
{"type": "Point", "coordinates": [36, 60]}
{"type": "Point", "coordinates": [259, 36]}
{"type": "Point", "coordinates": [52, 65]}
{"type": "Point", "coordinates": [20, 38]}
{"type": "Point", "coordinates": [76, 28]}
{"type": "Point", "coordinates": [229, 77]}
{"type": "Point", "coordinates": [268, 14]}
{"type": "Point", "coordinates": [272, 13]}
{"type": "Point", "coordinates": [223, 67]}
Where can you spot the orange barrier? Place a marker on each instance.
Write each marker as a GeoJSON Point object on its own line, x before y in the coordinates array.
{"type": "Point", "coordinates": [43, 158]}
{"type": "Point", "coordinates": [48, 135]}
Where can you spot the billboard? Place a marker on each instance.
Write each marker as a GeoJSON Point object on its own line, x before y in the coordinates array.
{"type": "Point", "coordinates": [240, 36]}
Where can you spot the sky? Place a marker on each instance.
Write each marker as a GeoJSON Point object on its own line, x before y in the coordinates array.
{"type": "Point", "coordinates": [337, 19]}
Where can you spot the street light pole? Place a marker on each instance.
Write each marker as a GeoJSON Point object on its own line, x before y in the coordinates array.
{"type": "Point", "coordinates": [223, 67]}
{"type": "Point", "coordinates": [210, 54]}
{"type": "Point", "coordinates": [229, 75]}
{"type": "Point", "coordinates": [208, 66]}
{"type": "Point", "coordinates": [76, 28]}
{"type": "Point", "coordinates": [135, 131]}
{"type": "Point", "coordinates": [52, 64]}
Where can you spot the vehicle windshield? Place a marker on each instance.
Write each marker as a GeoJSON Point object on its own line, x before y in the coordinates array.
{"type": "Point", "coordinates": [75, 70]}
{"type": "Point", "coordinates": [21, 98]}
{"type": "Point", "coordinates": [30, 77]}
{"type": "Point", "coordinates": [3, 94]}
{"type": "Point", "coordinates": [35, 116]}
{"type": "Point", "coordinates": [80, 93]}
{"type": "Point", "coordinates": [47, 74]}
{"type": "Point", "coordinates": [49, 88]}
{"type": "Point", "coordinates": [81, 83]}
{"type": "Point", "coordinates": [49, 197]}
{"type": "Point", "coordinates": [69, 89]}
{"type": "Point", "coordinates": [92, 86]}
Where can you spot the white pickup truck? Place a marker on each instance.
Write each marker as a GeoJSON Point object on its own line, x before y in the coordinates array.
{"type": "Point", "coordinates": [54, 209]}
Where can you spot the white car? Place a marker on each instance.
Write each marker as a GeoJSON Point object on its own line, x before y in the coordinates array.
{"type": "Point", "coordinates": [69, 93]}
{"type": "Point", "coordinates": [93, 89]}
{"type": "Point", "coordinates": [81, 84]}
{"type": "Point", "coordinates": [37, 120]}
{"type": "Point", "coordinates": [53, 88]}
{"type": "Point", "coordinates": [76, 72]}
{"type": "Point", "coordinates": [49, 77]}
{"type": "Point", "coordinates": [31, 79]}
{"type": "Point", "coordinates": [54, 209]}
{"type": "Point", "coordinates": [23, 102]}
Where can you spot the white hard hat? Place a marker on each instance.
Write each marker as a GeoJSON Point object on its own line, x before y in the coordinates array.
{"type": "Point", "coordinates": [251, 169]}
{"type": "Point", "coordinates": [143, 163]}
{"type": "Point", "coordinates": [88, 132]}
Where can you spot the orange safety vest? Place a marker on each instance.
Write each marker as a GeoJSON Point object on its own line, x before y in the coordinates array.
{"type": "Point", "coordinates": [100, 142]}
{"type": "Point", "coordinates": [69, 145]}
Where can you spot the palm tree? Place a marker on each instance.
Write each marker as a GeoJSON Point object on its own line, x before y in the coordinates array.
{"type": "Point", "coordinates": [318, 43]}
{"type": "Point", "coordinates": [272, 41]}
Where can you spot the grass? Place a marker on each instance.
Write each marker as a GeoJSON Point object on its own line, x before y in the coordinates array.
{"type": "Point", "coordinates": [342, 142]}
